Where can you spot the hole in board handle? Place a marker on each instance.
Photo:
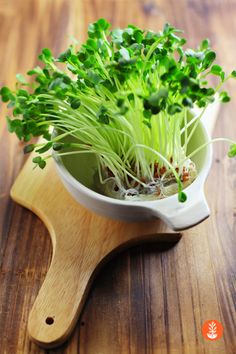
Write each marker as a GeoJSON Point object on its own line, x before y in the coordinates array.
{"type": "Point", "coordinates": [49, 320]}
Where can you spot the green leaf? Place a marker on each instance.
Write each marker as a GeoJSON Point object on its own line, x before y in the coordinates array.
{"type": "Point", "coordinates": [75, 103]}
{"type": "Point", "coordinates": [120, 102]}
{"type": "Point", "coordinates": [156, 97]}
{"type": "Point", "coordinates": [23, 93]}
{"type": "Point", "coordinates": [124, 53]}
{"type": "Point", "coordinates": [147, 123]}
{"type": "Point", "coordinates": [45, 148]}
{"type": "Point", "coordinates": [123, 110]}
{"type": "Point", "coordinates": [138, 36]}
{"type": "Point", "coordinates": [57, 83]}
{"type": "Point", "coordinates": [233, 73]}
{"type": "Point", "coordinates": [205, 44]}
{"type": "Point", "coordinates": [9, 125]}
{"type": "Point", "coordinates": [42, 164]}
{"type": "Point", "coordinates": [202, 103]}
{"type": "Point", "coordinates": [224, 97]}
{"type": "Point", "coordinates": [104, 118]}
{"type": "Point", "coordinates": [34, 71]}
{"type": "Point", "coordinates": [103, 24]}
{"type": "Point", "coordinates": [15, 126]}
{"type": "Point", "coordinates": [154, 100]}
{"type": "Point", "coordinates": [47, 53]}
{"type": "Point", "coordinates": [216, 70]}
{"type": "Point", "coordinates": [5, 91]}
{"type": "Point", "coordinates": [117, 36]}
{"type": "Point", "coordinates": [174, 108]}
{"type": "Point", "coordinates": [92, 44]}
{"type": "Point", "coordinates": [57, 146]}
{"type": "Point", "coordinates": [46, 56]}
{"type": "Point", "coordinates": [182, 197]}
{"type": "Point", "coordinates": [47, 135]}
{"type": "Point", "coordinates": [5, 98]}
{"type": "Point", "coordinates": [93, 77]}
{"type": "Point", "coordinates": [181, 53]}
{"type": "Point", "coordinates": [17, 111]}
{"type": "Point", "coordinates": [232, 151]}
{"type": "Point", "coordinates": [29, 148]}
{"type": "Point", "coordinates": [222, 76]}
{"type": "Point", "coordinates": [147, 113]}
{"type": "Point", "coordinates": [82, 56]}
{"type": "Point", "coordinates": [21, 79]}
{"type": "Point", "coordinates": [209, 59]}
{"type": "Point", "coordinates": [6, 94]}
{"type": "Point", "coordinates": [72, 68]}
{"type": "Point", "coordinates": [185, 83]}
{"type": "Point", "coordinates": [65, 55]}
{"type": "Point", "coordinates": [39, 161]}
{"type": "Point", "coordinates": [167, 28]}
{"type": "Point", "coordinates": [187, 102]}
{"type": "Point", "coordinates": [11, 104]}
{"type": "Point", "coordinates": [155, 109]}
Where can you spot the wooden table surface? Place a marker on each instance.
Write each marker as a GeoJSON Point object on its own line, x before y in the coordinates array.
{"type": "Point", "coordinates": [151, 299]}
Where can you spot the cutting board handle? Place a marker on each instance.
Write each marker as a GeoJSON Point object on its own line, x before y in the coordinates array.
{"type": "Point", "coordinates": [61, 297]}
{"type": "Point", "coordinates": [76, 258]}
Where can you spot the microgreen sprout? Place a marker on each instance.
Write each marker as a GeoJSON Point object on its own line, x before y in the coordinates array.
{"type": "Point", "coordinates": [125, 95]}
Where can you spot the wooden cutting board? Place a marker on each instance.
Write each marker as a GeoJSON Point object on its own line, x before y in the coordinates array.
{"type": "Point", "coordinates": [82, 242]}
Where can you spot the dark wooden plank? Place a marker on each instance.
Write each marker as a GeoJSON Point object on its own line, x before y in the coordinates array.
{"type": "Point", "coordinates": [146, 300]}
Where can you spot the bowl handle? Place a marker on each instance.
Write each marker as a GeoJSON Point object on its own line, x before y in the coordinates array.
{"type": "Point", "coordinates": [181, 216]}
{"type": "Point", "coordinates": [194, 211]}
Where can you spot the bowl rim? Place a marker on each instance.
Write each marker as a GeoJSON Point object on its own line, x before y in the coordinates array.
{"type": "Point", "coordinates": [199, 181]}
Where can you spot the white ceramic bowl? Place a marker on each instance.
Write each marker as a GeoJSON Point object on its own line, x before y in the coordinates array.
{"type": "Point", "coordinates": [177, 215]}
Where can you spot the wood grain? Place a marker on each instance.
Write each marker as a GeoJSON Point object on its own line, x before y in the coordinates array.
{"type": "Point", "coordinates": [149, 299]}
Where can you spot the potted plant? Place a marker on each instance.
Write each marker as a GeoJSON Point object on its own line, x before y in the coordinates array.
{"type": "Point", "coordinates": [126, 97]}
